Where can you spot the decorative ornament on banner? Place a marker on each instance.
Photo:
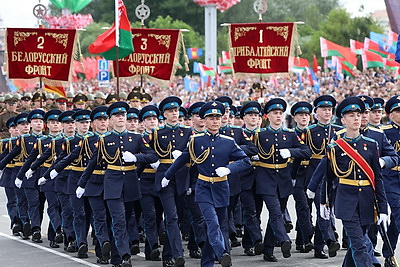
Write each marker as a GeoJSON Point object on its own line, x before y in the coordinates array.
{"type": "Point", "coordinates": [46, 53]}
{"type": "Point", "coordinates": [154, 56]}
{"type": "Point", "coordinates": [262, 48]}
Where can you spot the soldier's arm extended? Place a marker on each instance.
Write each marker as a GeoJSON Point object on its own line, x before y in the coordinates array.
{"type": "Point", "coordinates": [379, 189]}
{"type": "Point", "coordinates": [6, 150]}
{"type": "Point", "coordinates": [148, 155]}
{"type": "Point", "coordinates": [39, 161]}
{"type": "Point", "coordinates": [65, 160]}
{"type": "Point", "coordinates": [28, 162]}
{"type": "Point", "coordinates": [241, 161]}
{"type": "Point", "coordinates": [388, 154]}
{"type": "Point", "coordinates": [247, 145]}
{"type": "Point", "coordinates": [318, 175]}
{"type": "Point", "coordinates": [178, 163]}
{"type": "Point", "coordinates": [10, 156]}
{"type": "Point", "coordinates": [299, 149]}
{"type": "Point", "coordinates": [89, 168]}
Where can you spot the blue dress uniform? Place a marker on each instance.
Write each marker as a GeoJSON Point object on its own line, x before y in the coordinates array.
{"type": "Point", "coordinates": [391, 177]}
{"type": "Point", "coordinates": [7, 182]}
{"type": "Point", "coordinates": [150, 202]}
{"type": "Point", "coordinates": [354, 194]}
{"type": "Point", "coordinates": [252, 239]}
{"type": "Point", "coordinates": [298, 174]}
{"type": "Point", "coordinates": [164, 141]}
{"type": "Point", "coordinates": [316, 138]}
{"type": "Point", "coordinates": [248, 147]}
{"type": "Point", "coordinates": [19, 154]}
{"type": "Point", "coordinates": [49, 157]}
{"type": "Point", "coordinates": [272, 176]}
{"type": "Point", "coordinates": [209, 152]}
{"type": "Point", "coordinates": [121, 184]}
{"type": "Point", "coordinates": [78, 158]}
{"type": "Point", "coordinates": [47, 189]}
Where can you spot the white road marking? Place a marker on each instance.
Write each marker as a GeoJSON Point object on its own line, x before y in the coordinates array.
{"type": "Point", "coordinates": [48, 250]}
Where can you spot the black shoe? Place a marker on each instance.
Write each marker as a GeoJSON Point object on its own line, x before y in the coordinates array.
{"type": "Point", "coordinates": [37, 237]}
{"type": "Point", "coordinates": [270, 258]}
{"type": "Point", "coordinates": [53, 244]}
{"type": "Point", "coordinates": [154, 255]}
{"type": "Point", "coordinates": [168, 263]}
{"type": "Point", "coordinates": [377, 253]}
{"type": "Point", "coordinates": [142, 237]}
{"type": "Point", "coordinates": [258, 248]}
{"type": "Point", "coordinates": [59, 237]}
{"type": "Point", "coordinates": [126, 263]}
{"type": "Point", "coordinates": [285, 248]}
{"type": "Point", "coordinates": [320, 255]}
{"type": "Point", "coordinates": [333, 248]}
{"type": "Point", "coordinates": [185, 237]}
{"type": "Point", "coordinates": [26, 230]}
{"type": "Point", "coordinates": [179, 262]}
{"type": "Point", "coordinates": [226, 260]}
{"type": "Point", "coordinates": [195, 254]}
{"type": "Point", "coordinates": [239, 232]}
{"type": "Point", "coordinates": [300, 248]}
{"type": "Point", "coordinates": [249, 252]}
{"type": "Point", "coordinates": [105, 250]}
{"type": "Point", "coordinates": [82, 251]}
{"type": "Point", "coordinates": [162, 238]}
{"type": "Point", "coordinates": [345, 245]}
{"type": "Point", "coordinates": [235, 242]}
{"type": "Point", "coordinates": [16, 229]}
{"type": "Point", "coordinates": [71, 247]}
{"type": "Point", "coordinates": [102, 261]}
{"type": "Point", "coordinates": [288, 227]}
{"type": "Point", "coordinates": [308, 247]}
{"type": "Point", "coordinates": [389, 263]}
{"type": "Point", "coordinates": [135, 249]}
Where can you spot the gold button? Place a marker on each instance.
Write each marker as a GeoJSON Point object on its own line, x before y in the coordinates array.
{"type": "Point", "coordinates": [173, 135]}
{"type": "Point", "coordinates": [212, 156]}
{"type": "Point", "coordinates": [360, 189]}
{"type": "Point", "coordinates": [212, 140]}
{"type": "Point", "coordinates": [212, 147]}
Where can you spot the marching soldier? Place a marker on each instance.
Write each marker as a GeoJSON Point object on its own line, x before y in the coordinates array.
{"type": "Point", "coordinates": [317, 137]}
{"type": "Point", "coordinates": [276, 145]}
{"type": "Point", "coordinates": [353, 168]}
{"type": "Point", "coordinates": [216, 156]}
{"type": "Point", "coordinates": [132, 119]}
{"type": "Point", "coordinates": [120, 150]}
{"type": "Point", "coordinates": [376, 112]}
{"type": "Point", "coordinates": [10, 111]}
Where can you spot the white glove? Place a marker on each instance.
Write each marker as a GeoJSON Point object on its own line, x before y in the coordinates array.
{"type": "Point", "coordinates": [382, 163]}
{"type": "Point", "coordinates": [176, 154]}
{"type": "Point", "coordinates": [18, 182]}
{"type": "Point", "coordinates": [383, 220]}
{"type": "Point", "coordinates": [164, 182]}
{"type": "Point", "coordinates": [255, 157]}
{"type": "Point", "coordinates": [222, 171]}
{"type": "Point", "coordinates": [29, 174]}
{"type": "Point", "coordinates": [310, 194]}
{"type": "Point", "coordinates": [53, 174]}
{"type": "Point", "coordinates": [155, 164]}
{"type": "Point", "coordinates": [324, 212]}
{"type": "Point", "coordinates": [285, 153]}
{"type": "Point", "coordinates": [293, 182]}
{"type": "Point", "coordinates": [189, 191]}
{"type": "Point", "coordinates": [128, 156]}
{"type": "Point", "coordinates": [79, 192]}
{"type": "Point", "coordinates": [41, 181]}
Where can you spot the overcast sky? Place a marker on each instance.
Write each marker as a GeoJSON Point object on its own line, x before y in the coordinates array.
{"type": "Point", "coordinates": [19, 13]}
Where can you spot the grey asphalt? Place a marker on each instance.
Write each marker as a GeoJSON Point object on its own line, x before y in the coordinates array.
{"type": "Point", "coordinates": [17, 252]}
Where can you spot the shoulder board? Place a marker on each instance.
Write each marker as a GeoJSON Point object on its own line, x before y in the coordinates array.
{"type": "Point", "coordinates": [227, 137]}
{"type": "Point", "coordinates": [59, 137]}
{"type": "Point", "coordinates": [6, 140]}
{"type": "Point", "coordinates": [13, 138]}
{"type": "Point", "coordinates": [368, 139]}
{"type": "Point", "coordinates": [234, 126]}
{"type": "Point", "coordinates": [106, 134]}
{"type": "Point", "coordinates": [288, 130]}
{"type": "Point", "coordinates": [337, 126]}
{"type": "Point", "coordinates": [160, 127]}
{"type": "Point", "coordinates": [375, 129]}
{"type": "Point", "coordinates": [310, 127]}
{"type": "Point", "coordinates": [341, 131]}
{"type": "Point", "coordinates": [25, 135]}
{"type": "Point", "coordinates": [386, 127]}
{"type": "Point", "coordinates": [197, 135]}
{"type": "Point", "coordinates": [89, 134]}
{"type": "Point", "coordinates": [185, 127]}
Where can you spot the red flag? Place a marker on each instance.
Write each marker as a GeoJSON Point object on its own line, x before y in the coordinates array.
{"type": "Point", "coordinates": [315, 64]}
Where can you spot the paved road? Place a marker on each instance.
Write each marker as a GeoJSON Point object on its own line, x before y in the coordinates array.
{"type": "Point", "coordinates": [17, 252]}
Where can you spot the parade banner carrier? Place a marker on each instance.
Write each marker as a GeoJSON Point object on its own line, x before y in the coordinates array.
{"type": "Point", "coordinates": [154, 56]}
{"type": "Point", "coordinates": [261, 48]}
{"type": "Point", "coordinates": [40, 52]}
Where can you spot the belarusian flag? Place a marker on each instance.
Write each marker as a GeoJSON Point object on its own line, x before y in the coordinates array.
{"type": "Point", "coordinates": [391, 64]}
{"type": "Point", "coordinates": [371, 60]}
{"type": "Point", "coordinates": [356, 46]}
{"type": "Point", "coordinates": [119, 35]}
{"type": "Point", "coordinates": [226, 58]}
{"type": "Point", "coordinates": [343, 66]}
{"type": "Point", "coordinates": [329, 49]}
{"type": "Point", "coordinates": [206, 71]}
{"type": "Point", "coordinates": [392, 40]}
{"type": "Point", "coordinates": [374, 47]}
{"type": "Point", "coordinates": [224, 69]}
{"type": "Point", "coordinates": [298, 64]}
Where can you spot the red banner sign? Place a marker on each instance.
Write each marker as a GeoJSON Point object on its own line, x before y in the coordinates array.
{"type": "Point", "coordinates": [155, 51]}
{"type": "Point", "coordinates": [40, 53]}
{"type": "Point", "coordinates": [261, 48]}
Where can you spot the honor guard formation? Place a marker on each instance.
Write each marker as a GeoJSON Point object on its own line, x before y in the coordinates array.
{"type": "Point", "coordinates": [134, 172]}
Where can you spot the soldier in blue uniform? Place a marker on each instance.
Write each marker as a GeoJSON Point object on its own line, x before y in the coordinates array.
{"type": "Point", "coordinates": [353, 169]}
{"type": "Point", "coordinates": [150, 202]}
{"type": "Point", "coordinates": [301, 114]}
{"type": "Point", "coordinates": [316, 137]}
{"type": "Point", "coordinates": [212, 152]}
{"type": "Point", "coordinates": [169, 141]}
{"type": "Point", "coordinates": [391, 177]}
{"type": "Point", "coordinates": [19, 154]}
{"type": "Point", "coordinates": [121, 150]}
{"type": "Point", "coordinates": [53, 210]}
{"type": "Point", "coordinates": [376, 112]}
{"type": "Point", "coordinates": [248, 147]}
{"type": "Point", "coordinates": [132, 119]}
{"type": "Point", "coordinates": [6, 180]}
{"type": "Point", "coordinates": [51, 156]}
{"type": "Point", "coordinates": [252, 239]}
{"type": "Point", "coordinates": [272, 174]}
